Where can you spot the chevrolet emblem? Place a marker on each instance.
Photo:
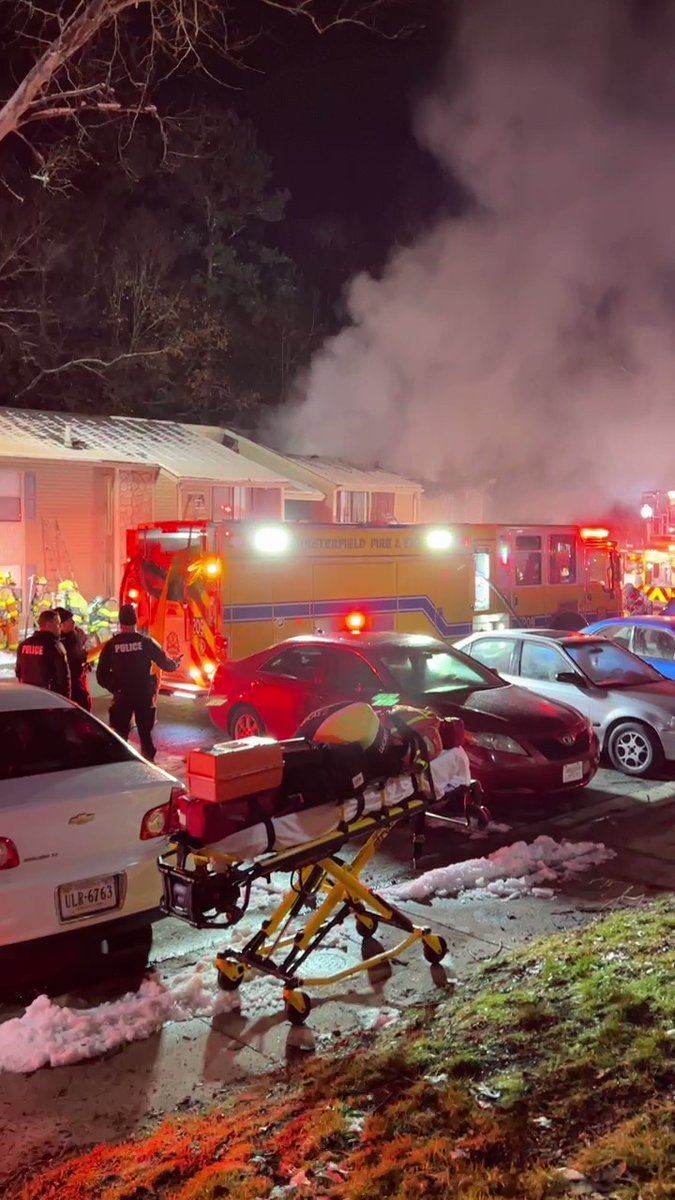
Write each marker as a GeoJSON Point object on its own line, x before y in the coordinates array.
{"type": "Point", "coordinates": [81, 819]}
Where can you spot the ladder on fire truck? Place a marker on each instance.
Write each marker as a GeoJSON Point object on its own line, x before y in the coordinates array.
{"type": "Point", "coordinates": [58, 564]}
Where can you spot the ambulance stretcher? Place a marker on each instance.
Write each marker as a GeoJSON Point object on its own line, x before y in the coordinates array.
{"type": "Point", "coordinates": [209, 887]}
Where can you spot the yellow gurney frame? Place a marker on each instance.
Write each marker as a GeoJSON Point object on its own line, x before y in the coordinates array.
{"type": "Point", "coordinates": [203, 896]}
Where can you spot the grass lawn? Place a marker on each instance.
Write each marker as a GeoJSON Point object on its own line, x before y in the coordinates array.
{"type": "Point", "coordinates": [550, 1073]}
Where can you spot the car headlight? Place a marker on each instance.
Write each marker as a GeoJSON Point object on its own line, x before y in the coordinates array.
{"type": "Point", "coordinates": [496, 741]}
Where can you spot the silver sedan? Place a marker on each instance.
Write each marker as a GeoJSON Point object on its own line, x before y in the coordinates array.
{"type": "Point", "coordinates": [631, 706]}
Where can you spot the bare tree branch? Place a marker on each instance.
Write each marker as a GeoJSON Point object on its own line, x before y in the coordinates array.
{"type": "Point", "coordinates": [79, 30]}
{"type": "Point", "coordinates": [105, 56]}
{"type": "Point", "coordinates": [95, 365]}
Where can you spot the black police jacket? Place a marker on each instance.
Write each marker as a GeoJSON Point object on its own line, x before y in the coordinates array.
{"type": "Point", "coordinates": [126, 661]}
{"type": "Point", "coordinates": [42, 661]}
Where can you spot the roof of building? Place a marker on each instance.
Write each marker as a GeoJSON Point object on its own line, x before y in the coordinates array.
{"type": "Point", "coordinates": [333, 470]}
{"type": "Point", "coordinates": [178, 449]}
{"type": "Point", "coordinates": [341, 474]}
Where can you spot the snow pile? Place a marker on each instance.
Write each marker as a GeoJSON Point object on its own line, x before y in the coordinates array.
{"type": "Point", "coordinates": [49, 1035]}
{"type": "Point", "coordinates": [510, 871]}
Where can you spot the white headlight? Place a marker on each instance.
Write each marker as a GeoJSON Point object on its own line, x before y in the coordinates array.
{"type": "Point", "coordinates": [439, 539]}
{"type": "Point", "coordinates": [272, 539]}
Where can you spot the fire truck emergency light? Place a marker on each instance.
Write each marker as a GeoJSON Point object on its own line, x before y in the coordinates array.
{"type": "Point", "coordinates": [439, 539]}
{"type": "Point", "coordinates": [592, 535]}
{"type": "Point", "coordinates": [133, 593]}
{"type": "Point", "coordinates": [271, 540]}
{"type": "Point", "coordinates": [212, 568]}
{"type": "Point", "coordinates": [355, 622]}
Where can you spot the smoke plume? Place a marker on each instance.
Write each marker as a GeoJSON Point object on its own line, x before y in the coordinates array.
{"type": "Point", "coordinates": [531, 341]}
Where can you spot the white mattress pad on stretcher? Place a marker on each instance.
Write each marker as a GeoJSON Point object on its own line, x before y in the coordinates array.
{"type": "Point", "coordinates": [450, 770]}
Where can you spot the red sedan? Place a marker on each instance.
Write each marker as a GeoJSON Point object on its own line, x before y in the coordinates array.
{"type": "Point", "coordinates": [516, 741]}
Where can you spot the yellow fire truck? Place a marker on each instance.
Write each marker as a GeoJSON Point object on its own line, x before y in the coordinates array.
{"type": "Point", "coordinates": [221, 590]}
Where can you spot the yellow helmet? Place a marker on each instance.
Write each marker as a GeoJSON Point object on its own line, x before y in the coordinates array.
{"type": "Point", "coordinates": [67, 585]}
{"type": "Point", "coordinates": [354, 723]}
{"type": "Point", "coordinates": [42, 581]}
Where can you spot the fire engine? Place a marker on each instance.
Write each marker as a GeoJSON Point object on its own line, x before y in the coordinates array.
{"type": "Point", "coordinates": [649, 569]}
{"type": "Point", "coordinates": [216, 590]}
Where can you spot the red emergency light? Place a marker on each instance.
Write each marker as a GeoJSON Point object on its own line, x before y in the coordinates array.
{"type": "Point", "coordinates": [593, 535]}
{"type": "Point", "coordinates": [355, 622]}
{"type": "Point", "coordinates": [133, 593]}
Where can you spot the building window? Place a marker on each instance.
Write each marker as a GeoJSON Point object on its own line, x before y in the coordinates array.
{"type": "Point", "coordinates": [354, 508]}
{"type": "Point", "coordinates": [10, 495]}
{"type": "Point", "coordinates": [30, 495]}
{"type": "Point", "coordinates": [382, 508]}
{"type": "Point", "coordinates": [223, 504]}
{"type": "Point", "coordinates": [265, 502]}
{"type": "Point", "coordinates": [195, 507]}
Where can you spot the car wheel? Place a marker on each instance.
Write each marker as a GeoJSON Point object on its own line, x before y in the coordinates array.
{"type": "Point", "coordinates": [634, 748]}
{"type": "Point", "coordinates": [246, 722]}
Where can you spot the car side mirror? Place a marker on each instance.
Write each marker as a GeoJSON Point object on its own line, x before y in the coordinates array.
{"type": "Point", "coordinates": [572, 677]}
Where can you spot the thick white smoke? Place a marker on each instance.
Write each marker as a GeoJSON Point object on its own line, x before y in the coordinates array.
{"type": "Point", "coordinates": [532, 340]}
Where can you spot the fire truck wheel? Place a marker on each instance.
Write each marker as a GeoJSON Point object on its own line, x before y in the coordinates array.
{"type": "Point", "coordinates": [246, 722]}
{"type": "Point", "coordinates": [634, 748]}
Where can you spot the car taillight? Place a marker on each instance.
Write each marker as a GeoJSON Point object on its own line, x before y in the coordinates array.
{"type": "Point", "coordinates": [156, 822]}
{"type": "Point", "coordinates": [9, 855]}
{"type": "Point", "coordinates": [177, 793]}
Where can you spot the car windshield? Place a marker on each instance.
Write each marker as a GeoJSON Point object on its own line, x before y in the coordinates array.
{"type": "Point", "coordinates": [42, 741]}
{"type": "Point", "coordinates": [421, 671]}
{"type": "Point", "coordinates": [608, 664]}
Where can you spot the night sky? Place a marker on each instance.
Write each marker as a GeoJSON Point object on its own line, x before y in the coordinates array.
{"type": "Point", "coordinates": [334, 112]}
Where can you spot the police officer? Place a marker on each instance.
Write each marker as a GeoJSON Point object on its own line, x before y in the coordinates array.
{"type": "Point", "coordinates": [124, 668]}
{"type": "Point", "coordinates": [75, 641]}
{"type": "Point", "coordinates": [42, 658]}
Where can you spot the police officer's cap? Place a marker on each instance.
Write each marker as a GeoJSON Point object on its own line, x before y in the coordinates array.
{"type": "Point", "coordinates": [127, 615]}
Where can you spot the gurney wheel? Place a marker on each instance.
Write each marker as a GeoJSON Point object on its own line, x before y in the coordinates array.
{"type": "Point", "coordinates": [230, 974]}
{"type": "Point", "coordinates": [435, 948]}
{"type": "Point", "coordinates": [297, 1007]}
{"type": "Point", "coordinates": [366, 925]}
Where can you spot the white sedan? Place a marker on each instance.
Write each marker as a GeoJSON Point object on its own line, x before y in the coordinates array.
{"type": "Point", "coordinates": [82, 820]}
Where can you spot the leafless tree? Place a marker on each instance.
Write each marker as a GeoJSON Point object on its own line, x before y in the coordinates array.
{"type": "Point", "coordinates": [93, 60]}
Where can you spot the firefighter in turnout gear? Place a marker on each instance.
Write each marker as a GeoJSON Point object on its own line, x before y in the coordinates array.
{"type": "Point", "coordinates": [125, 669]}
{"type": "Point", "coordinates": [104, 613]}
{"type": "Point", "coordinates": [42, 659]}
{"type": "Point", "coordinates": [10, 612]}
{"type": "Point", "coordinates": [69, 596]}
{"type": "Point", "coordinates": [42, 600]}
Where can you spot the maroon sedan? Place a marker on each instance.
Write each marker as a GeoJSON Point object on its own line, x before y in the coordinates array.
{"type": "Point", "coordinates": [516, 741]}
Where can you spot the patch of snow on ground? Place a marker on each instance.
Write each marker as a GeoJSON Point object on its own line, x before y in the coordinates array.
{"type": "Point", "coordinates": [48, 1034]}
{"type": "Point", "coordinates": [51, 1035]}
{"type": "Point", "coordinates": [510, 871]}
